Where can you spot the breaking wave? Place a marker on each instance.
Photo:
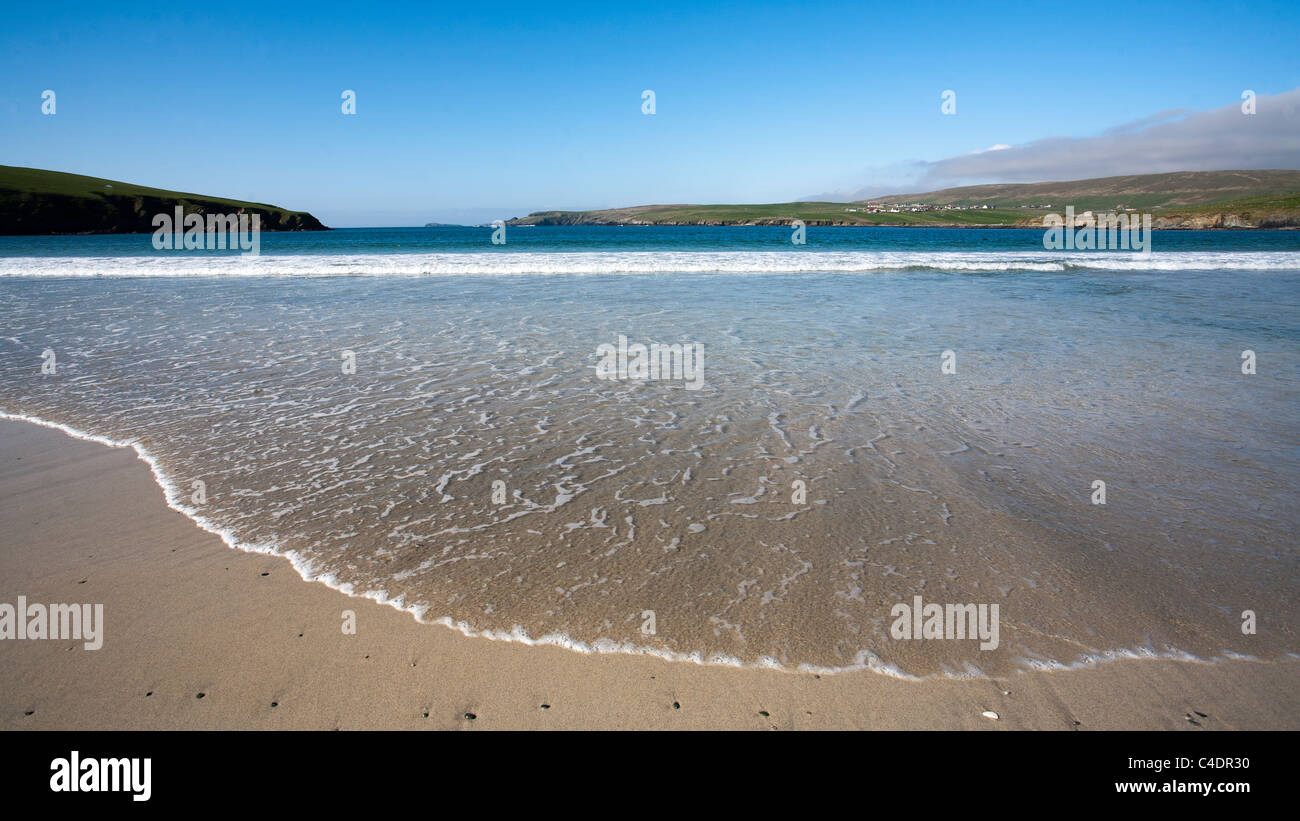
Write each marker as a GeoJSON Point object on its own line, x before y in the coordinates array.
{"type": "Point", "coordinates": [522, 263]}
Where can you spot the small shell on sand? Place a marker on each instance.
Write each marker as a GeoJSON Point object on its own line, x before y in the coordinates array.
{"type": "Point", "coordinates": [990, 714]}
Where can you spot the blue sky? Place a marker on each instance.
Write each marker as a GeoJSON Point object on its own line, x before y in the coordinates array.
{"type": "Point", "coordinates": [469, 113]}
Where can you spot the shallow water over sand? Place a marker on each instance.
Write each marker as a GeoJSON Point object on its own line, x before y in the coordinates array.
{"type": "Point", "coordinates": [623, 497]}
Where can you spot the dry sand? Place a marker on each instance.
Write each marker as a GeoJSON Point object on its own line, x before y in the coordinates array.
{"type": "Point", "coordinates": [186, 615]}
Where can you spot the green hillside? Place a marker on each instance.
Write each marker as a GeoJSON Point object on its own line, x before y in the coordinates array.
{"type": "Point", "coordinates": [1187, 199]}
{"type": "Point", "coordinates": [1145, 192]}
{"type": "Point", "coordinates": [34, 201]}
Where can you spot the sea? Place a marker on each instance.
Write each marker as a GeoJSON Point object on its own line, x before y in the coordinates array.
{"type": "Point", "coordinates": [1099, 447]}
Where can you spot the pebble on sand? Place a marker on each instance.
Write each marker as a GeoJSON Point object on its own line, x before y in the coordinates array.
{"type": "Point", "coordinates": [990, 714]}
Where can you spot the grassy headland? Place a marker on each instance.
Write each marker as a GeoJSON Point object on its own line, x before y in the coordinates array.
{"type": "Point", "coordinates": [1186, 199]}
{"type": "Point", "coordinates": [34, 201]}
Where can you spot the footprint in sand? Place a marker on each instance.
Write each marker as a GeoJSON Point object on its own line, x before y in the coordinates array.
{"type": "Point", "coordinates": [1192, 716]}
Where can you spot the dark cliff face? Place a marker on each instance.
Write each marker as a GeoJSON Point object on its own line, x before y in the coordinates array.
{"type": "Point", "coordinates": [46, 213]}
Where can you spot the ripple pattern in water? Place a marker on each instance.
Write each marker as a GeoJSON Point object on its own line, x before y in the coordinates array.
{"type": "Point", "coordinates": [627, 497]}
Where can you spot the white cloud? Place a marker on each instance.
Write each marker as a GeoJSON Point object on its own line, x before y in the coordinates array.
{"type": "Point", "coordinates": [1222, 139]}
{"type": "Point", "coordinates": [1176, 140]}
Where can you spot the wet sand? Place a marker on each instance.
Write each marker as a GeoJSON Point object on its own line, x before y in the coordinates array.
{"type": "Point", "coordinates": [187, 616]}
{"type": "Point", "coordinates": [475, 467]}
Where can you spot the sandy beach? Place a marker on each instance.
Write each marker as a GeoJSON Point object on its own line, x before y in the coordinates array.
{"type": "Point", "coordinates": [200, 636]}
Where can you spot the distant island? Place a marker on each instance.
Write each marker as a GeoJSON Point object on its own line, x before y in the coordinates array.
{"type": "Point", "coordinates": [1183, 199]}
{"type": "Point", "coordinates": [34, 201]}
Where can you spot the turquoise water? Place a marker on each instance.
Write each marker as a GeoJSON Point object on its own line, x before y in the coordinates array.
{"type": "Point", "coordinates": [643, 238]}
{"type": "Point", "coordinates": [476, 364]}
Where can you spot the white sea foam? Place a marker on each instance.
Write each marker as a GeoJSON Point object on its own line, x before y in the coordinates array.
{"type": "Point", "coordinates": [518, 263]}
{"type": "Point", "coordinates": [865, 660]}
{"type": "Point", "coordinates": [384, 482]}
